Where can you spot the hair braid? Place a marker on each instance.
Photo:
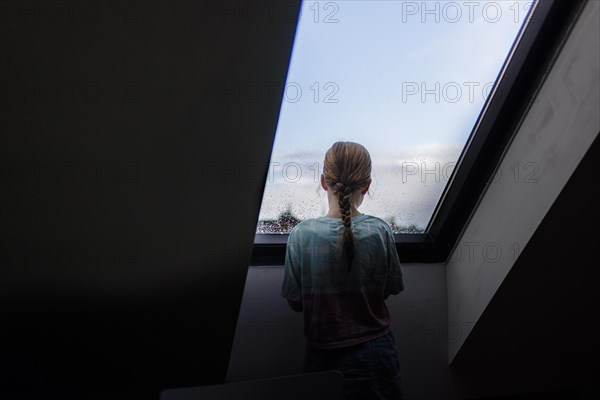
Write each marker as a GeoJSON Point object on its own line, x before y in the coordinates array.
{"type": "Point", "coordinates": [347, 240]}
{"type": "Point", "coordinates": [347, 168]}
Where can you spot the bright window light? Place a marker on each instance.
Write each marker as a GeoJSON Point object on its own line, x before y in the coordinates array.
{"type": "Point", "coordinates": [406, 79]}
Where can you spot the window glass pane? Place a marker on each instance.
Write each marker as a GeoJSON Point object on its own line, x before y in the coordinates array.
{"type": "Point", "coordinates": [405, 79]}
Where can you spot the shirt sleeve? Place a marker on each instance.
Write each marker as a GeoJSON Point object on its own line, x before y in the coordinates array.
{"type": "Point", "coordinates": [292, 283]}
{"type": "Point", "coordinates": [394, 283]}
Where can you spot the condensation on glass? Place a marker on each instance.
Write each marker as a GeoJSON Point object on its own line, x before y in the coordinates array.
{"type": "Point", "coordinates": [405, 79]}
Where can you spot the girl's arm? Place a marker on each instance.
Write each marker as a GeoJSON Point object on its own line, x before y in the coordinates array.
{"type": "Point", "coordinates": [394, 282]}
{"type": "Point", "coordinates": [292, 286]}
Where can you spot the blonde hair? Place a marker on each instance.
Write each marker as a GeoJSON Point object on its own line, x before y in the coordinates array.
{"type": "Point", "coordinates": [347, 168]}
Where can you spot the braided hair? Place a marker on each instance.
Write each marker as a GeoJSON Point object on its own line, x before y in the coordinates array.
{"type": "Point", "coordinates": [347, 168]}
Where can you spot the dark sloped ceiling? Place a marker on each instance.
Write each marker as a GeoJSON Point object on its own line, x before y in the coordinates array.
{"type": "Point", "coordinates": [134, 142]}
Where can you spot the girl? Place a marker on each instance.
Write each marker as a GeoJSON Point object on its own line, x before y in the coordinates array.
{"type": "Point", "coordinates": [339, 269]}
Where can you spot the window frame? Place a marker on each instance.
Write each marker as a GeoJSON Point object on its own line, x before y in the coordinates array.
{"type": "Point", "coordinates": [521, 76]}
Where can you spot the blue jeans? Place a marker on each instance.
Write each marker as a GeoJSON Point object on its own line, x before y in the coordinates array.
{"type": "Point", "coordinates": [371, 370]}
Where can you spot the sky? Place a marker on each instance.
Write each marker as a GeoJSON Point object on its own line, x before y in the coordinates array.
{"type": "Point", "coordinates": [406, 79]}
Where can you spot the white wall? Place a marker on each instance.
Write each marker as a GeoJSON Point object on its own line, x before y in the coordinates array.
{"type": "Point", "coordinates": [554, 136]}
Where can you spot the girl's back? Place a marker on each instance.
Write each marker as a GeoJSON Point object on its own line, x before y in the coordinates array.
{"type": "Point", "coordinates": [341, 307]}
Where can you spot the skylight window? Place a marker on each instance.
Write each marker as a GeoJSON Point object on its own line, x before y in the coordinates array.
{"type": "Point", "coordinates": [408, 80]}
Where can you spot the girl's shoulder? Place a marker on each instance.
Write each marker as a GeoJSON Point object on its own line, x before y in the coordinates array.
{"type": "Point", "coordinates": [312, 224]}
{"type": "Point", "coordinates": [376, 221]}
{"type": "Point", "coordinates": [303, 229]}
{"type": "Point", "coordinates": [306, 224]}
{"type": "Point", "coordinates": [373, 222]}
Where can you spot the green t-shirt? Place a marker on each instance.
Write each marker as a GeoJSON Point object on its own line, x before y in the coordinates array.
{"type": "Point", "coordinates": [342, 308]}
